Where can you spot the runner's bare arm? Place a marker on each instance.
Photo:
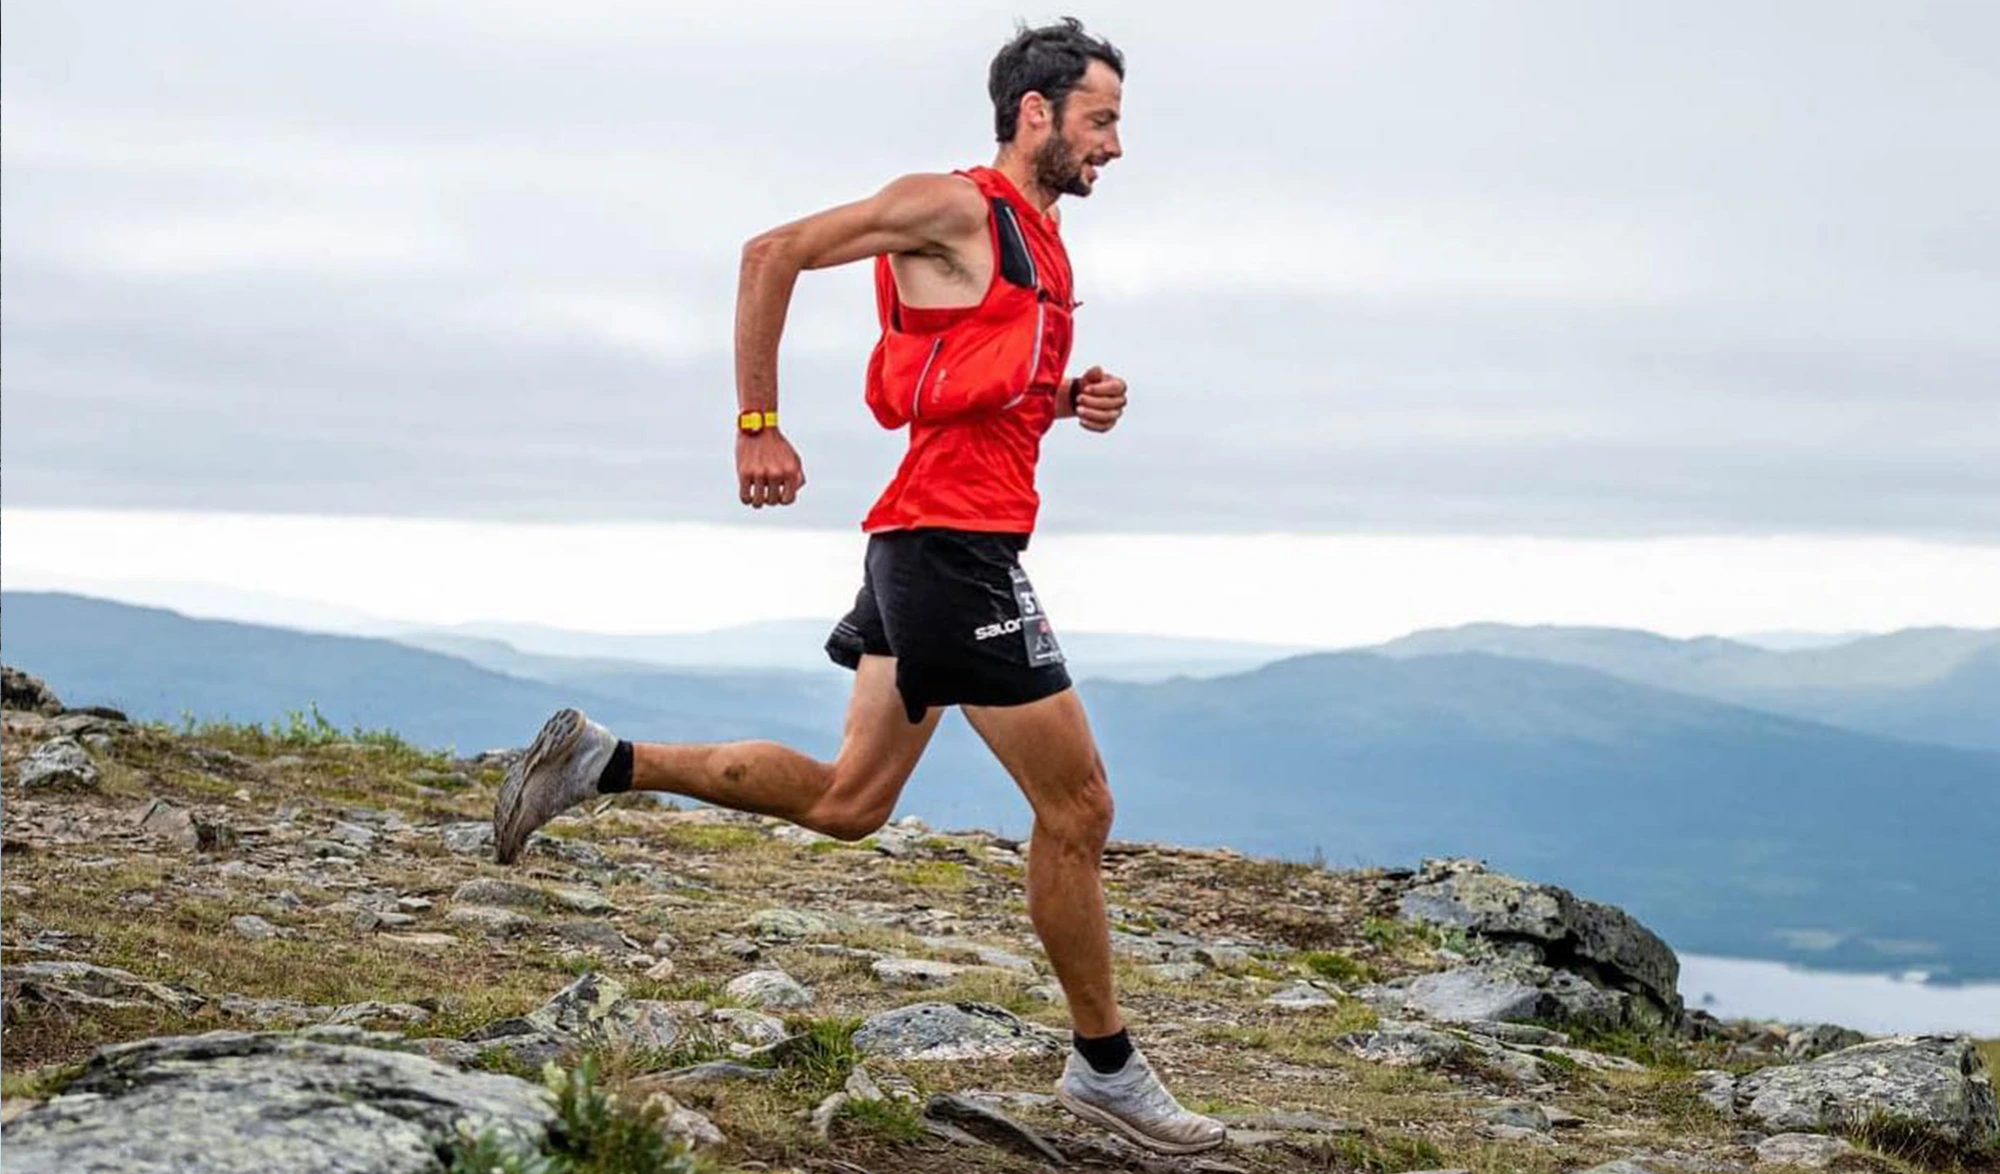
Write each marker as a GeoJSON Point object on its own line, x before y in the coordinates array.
{"type": "Point", "coordinates": [915, 213]}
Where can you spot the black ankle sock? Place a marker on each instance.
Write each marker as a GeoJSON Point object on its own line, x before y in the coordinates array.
{"type": "Point", "coordinates": [617, 774]}
{"type": "Point", "coordinates": [1105, 1054]}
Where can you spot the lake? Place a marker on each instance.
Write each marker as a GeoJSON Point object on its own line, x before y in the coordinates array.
{"type": "Point", "coordinates": [1878, 1004]}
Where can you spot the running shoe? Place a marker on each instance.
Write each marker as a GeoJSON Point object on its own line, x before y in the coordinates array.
{"type": "Point", "coordinates": [558, 771]}
{"type": "Point", "coordinates": [1133, 1102]}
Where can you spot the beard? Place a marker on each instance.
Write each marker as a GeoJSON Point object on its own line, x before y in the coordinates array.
{"type": "Point", "coordinates": [1059, 167]}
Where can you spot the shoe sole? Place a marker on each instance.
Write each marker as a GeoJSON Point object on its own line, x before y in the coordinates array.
{"type": "Point", "coordinates": [1097, 1116]}
{"type": "Point", "coordinates": [558, 736]}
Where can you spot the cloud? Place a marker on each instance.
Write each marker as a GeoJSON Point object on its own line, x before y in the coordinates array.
{"type": "Point", "coordinates": [1506, 268]}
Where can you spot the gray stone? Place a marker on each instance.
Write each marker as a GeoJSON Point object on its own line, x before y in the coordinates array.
{"type": "Point", "coordinates": [468, 839]}
{"type": "Point", "coordinates": [1937, 1081]}
{"type": "Point", "coordinates": [182, 828]}
{"type": "Point", "coordinates": [593, 935]}
{"type": "Point", "coordinates": [1404, 1045]}
{"type": "Point", "coordinates": [787, 925]}
{"type": "Point", "coordinates": [1814, 1040]}
{"type": "Point", "coordinates": [1177, 971]}
{"type": "Point", "coordinates": [991, 1126]}
{"type": "Point", "coordinates": [751, 1027]}
{"type": "Point", "coordinates": [58, 762]}
{"type": "Point", "coordinates": [678, 1120]}
{"type": "Point", "coordinates": [1515, 1033]}
{"type": "Point", "coordinates": [369, 920]}
{"type": "Point", "coordinates": [955, 1031]}
{"type": "Point", "coordinates": [985, 954]}
{"type": "Point", "coordinates": [1475, 993]}
{"type": "Point", "coordinates": [253, 927]}
{"type": "Point", "coordinates": [1285, 1121]}
{"type": "Point", "coordinates": [500, 894]}
{"type": "Point", "coordinates": [1300, 996]}
{"type": "Point", "coordinates": [1603, 942]}
{"type": "Point", "coordinates": [908, 973]}
{"type": "Point", "coordinates": [769, 989]}
{"type": "Point", "coordinates": [238, 1103]}
{"type": "Point", "coordinates": [272, 1012]}
{"type": "Point", "coordinates": [1814, 1151]}
{"type": "Point", "coordinates": [82, 984]}
{"type": "Point", "coordinates": [1227, 959]}
{"type": "Point", "coordinates": [494, 922]}
{"type": "Point", "coordinates": [25, 691]}
{"type": "Point", "coordinates": [585, 901]}
{"type": "Point", "coordinates": [1717, 1090]}
{"type": "Point", "coordinates": [1524, 1115]}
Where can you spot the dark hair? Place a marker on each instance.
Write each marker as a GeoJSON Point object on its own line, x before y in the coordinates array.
{"type": "Point", "coordinates": [1049, 61]}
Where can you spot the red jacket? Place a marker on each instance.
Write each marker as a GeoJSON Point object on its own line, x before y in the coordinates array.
{"type": "Point", "coordinates": [976, 385]}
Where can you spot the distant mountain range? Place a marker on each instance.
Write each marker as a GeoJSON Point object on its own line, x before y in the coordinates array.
{"type": "Point", "coordinates": [1730, 829]}
{"type": "Point", "coordinates": [1926, 684]}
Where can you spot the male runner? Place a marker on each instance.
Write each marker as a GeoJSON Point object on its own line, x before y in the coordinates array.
{"type": "Point", "coordinates": [973, 291]}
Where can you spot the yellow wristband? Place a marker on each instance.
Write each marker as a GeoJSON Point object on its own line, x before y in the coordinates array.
{"type": "Point", "coordinates": [757, 421]}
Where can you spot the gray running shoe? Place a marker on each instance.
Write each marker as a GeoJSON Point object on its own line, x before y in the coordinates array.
{"type": "Point", "coordinates": [558, 771]}
{"type": "Point", "coordinates": [1134, 1102]}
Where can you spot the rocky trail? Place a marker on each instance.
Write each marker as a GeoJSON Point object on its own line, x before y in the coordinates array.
{"type": "Point", "coordinates": [241, 949]}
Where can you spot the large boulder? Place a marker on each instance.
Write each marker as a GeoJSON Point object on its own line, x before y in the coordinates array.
{"type": "Point", "coordinates": [1938, 1084]}
{"type": "Point", "coordinates": [19, 690]}
{"type": "Point", "coordinates": [242, 1103]}
{"type": "Point", "coordinates": [58, 762]}
{"type": "Point", "coordinates": [1602, 943]}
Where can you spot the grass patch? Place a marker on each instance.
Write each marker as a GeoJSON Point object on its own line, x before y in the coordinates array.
{"type": "Point", "coordinates": [1337, 966]}
{"type": "Point", "coordinates": [713, 837]}
{"type": "Point", "coordinates": [40, 1084]}
{"type": "Point", "coordinates": [1387, 1155]}
{"type": "Point", "coordinates": [944, 875]}
{"type": "Point", "coordinates": [889, 1121]}
{"type": "Point", "coordinates": [820, 1055]}
{"type": "Point", "coordinates": [1919, 1142]}
{"type": "Point", "coordinates": [594, 1133]}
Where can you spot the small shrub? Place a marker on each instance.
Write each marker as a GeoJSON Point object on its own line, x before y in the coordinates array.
{"type": "Point", "coordinates": [594, 1133]}
{"type": "Point", "coordinates": [892, 1121]}
{"type": "Point", "coordinates": [1337, 966]}
{"type": "Point", "coordinates": [820, 1055]}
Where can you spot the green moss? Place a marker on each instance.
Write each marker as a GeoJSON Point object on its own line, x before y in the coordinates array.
{"type": "Point", "coordinates": [1337, 966]}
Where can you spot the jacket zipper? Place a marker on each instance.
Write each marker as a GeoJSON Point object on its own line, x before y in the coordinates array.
{"type": "Point", "coordinates": [1034, 356]}
{"type": "Point", "coordinates": [917, 393]}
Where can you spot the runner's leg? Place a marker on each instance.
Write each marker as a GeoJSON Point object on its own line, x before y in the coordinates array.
{"type": "Point", "coordinates": [848, 798]}
{"type": "Point", "coordinates": [1047, 746]}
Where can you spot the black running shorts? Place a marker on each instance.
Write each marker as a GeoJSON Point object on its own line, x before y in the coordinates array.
{"type": "Point", "coordinates": [958, 614]}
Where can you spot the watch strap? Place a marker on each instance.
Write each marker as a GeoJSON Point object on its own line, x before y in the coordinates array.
{"type": "Point", "coordinates": [757, 421]}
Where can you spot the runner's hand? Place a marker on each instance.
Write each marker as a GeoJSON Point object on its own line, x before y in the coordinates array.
{"type": "Point", "coordinates": [768, 471]}
{"type": "Point", "coordinates": [1100, 400]}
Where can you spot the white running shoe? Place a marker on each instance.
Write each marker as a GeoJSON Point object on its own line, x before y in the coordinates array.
{"type": "Point", "coordinates": [558, 771]}
{"type": "Point", "coordinates": [1134, 1102]}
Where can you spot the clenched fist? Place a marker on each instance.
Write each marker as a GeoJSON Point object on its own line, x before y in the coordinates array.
{"type": "Point", "coordinates": [768, 471]}
{"type": "Point", "coordinates": [1100, 399]}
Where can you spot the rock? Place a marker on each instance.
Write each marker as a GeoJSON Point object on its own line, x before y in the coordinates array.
{"type": "Point", "coordinates": [1937, 1082]}
{"type": "Point", "coordinates": [1600, 942]}
{"type": "Point", "coordinates": [373, 1010]}
{"type": "Point", "coordinates": [985, 954]}
{"type": "Point", "coordinates": [429, 943]}
{"type": "Point", "coordinates": [1290, 1122]}
{"type": "Point", "coordinates": [58, 762]}
{"type": "Point", "coordinates": [1475, 993]}
{"type": "Point", "coordinates": [1514, 1033]}
{"type": "Point", "coordinates": [19, 690]}
{"type": "Point", "coordinates": [1817, 1039]}
{"type": "Point", "coordinates": [272, 1012]}
{"type": "Point", "coordinates": [1179, 971]}
{"type": "Point", "coordinates": [182, 828]}
{"type": "Point", "coordinates": [908, 973]}
{"type": "Point", "coordinates": [239, 1103]}
{"type": "Point", "coordinates": [991, 1127]}
{"type": "Point", "coordinates": [593, 935]}
{"type": "Point", "coordinates": [583, 901]}
{"type": "Point", "coordinates": [1404, 1045]}
{"type": "Point", "coordinates": [954, 1031]}
{"type": "Point", "coordinates": [1228, 959]}
{"type": "Point", "coordinates": [824, 1112]}
{"type": "Point", "coordinates": [413, 904]}
{"type": "Point", "coordinates": [661, 971]}
{"type": "Point", "coordinates": [1046, 992]}
{"type": "Point", "coordinates": [253, 927]}
{"type": "Point", "coordinates": [368, 920]}
{"type": "Point", "coordinates": [751, 1027]}
{"type": "Point", "coordinates": [1717, 1089]}
{"type": "Point", "coordinates": [468, 839]}
{"type": "Point", "coordinates": [1525, 1115]}
{"type": "Point", "coordinates": [786, 925]}
{"type": "Point", "coordinates": [677, 1120]}
{"type": "Point", "coordinates": [1300, 996]}
{"type": "Point", "coordinates": [499, 894]}
{"type": "Point", "coordinates": [494, 922]}
{"type": "Point", "coordinates": [1814, 1151]}
{"type": "Point", "coordinates": [769, 989]}
{"type": "Point", "coordinates": [355, 834]}
{"type": "Point", "coordinates": [704, 1073]}
{"type": "Point", "coordinates": [742, 949]}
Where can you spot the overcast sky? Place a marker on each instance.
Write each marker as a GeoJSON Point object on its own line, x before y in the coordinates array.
{"type": "Point", "coordinates": [1544, 268]}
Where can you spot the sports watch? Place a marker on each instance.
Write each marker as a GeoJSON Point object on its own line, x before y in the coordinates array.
{"type": "Point", "coordinates": [751, 423]}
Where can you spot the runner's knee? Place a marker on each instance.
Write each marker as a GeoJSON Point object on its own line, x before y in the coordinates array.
{"type": "Point", "coordinates": [1081, 819]}
{"type": "Point", "coordinates": [854, 808]}
{"type": "Point", "coordinates": [849, 822]}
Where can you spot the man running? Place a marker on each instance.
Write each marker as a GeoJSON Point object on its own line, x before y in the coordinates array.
{"type": "Point", "coordinates": [973, 292]}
